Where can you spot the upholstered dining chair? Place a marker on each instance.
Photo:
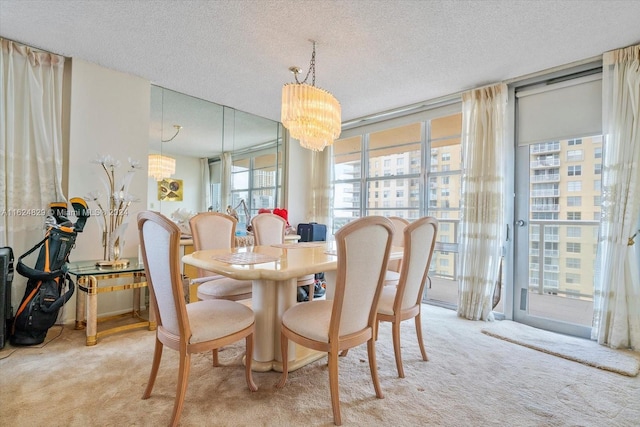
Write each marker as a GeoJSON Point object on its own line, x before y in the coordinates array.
{"type": "Point", "coordinates": [215, 230]}
{"type": "Point", "coordinates": [331, 326]}
{"type": "Point", "coordinates": [187, 328]}
{"type": "Point", "coordinates": [403, 302]}
{"type": "Point", "coordinates": [269, 229]}
{"type": "Point", "coordinates": [392, 275]}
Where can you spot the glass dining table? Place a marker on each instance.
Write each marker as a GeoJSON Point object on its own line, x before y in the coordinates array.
{"type": "Point", "coordinates": [273, 271]}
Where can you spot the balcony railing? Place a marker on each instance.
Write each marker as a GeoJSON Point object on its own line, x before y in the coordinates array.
{"type": "Point", "coordinates": [544, 163]}
{"type": "Point", "coordinates": [551, 177]}
{"type": "Point", "coordinates": [545, 208]}
{"type": "Point", "coordinates": [546, 193]}
{"type": "Point", "coordinates": [548, 147]}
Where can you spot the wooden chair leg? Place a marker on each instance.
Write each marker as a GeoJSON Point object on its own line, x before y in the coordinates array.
{"type": "Point", "coordinates": [157, 356]}
{"type": "Point", "coordinates": [183, 378]}
{"type": "Point", "coordinates": [284, 349]}
{"type": "Point", "coordinates": [373, 367]}
{"type": "Point", "coordinates": [395, 328]}
{"type": "Point", "coordinates": [333, 387]}
{"type": "Point", "coordinates": [248, 359]}
{"type": "Point", "coordinates": [214, 353]}
{"type": "Point", "coordinates": [419, 334]}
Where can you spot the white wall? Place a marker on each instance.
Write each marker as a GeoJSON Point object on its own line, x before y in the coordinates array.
{"type": "Point", "coordinates": [109, 114]}
{"type": "Point", "coordinates": [298, 176]}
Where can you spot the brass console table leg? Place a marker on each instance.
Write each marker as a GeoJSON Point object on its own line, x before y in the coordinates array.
{"type": "Point", "coordinates": [81, 305]}
{"type": "Point", "coordinates": [92, 312]}
{"type": "Point", "coordinates": [136, 300]}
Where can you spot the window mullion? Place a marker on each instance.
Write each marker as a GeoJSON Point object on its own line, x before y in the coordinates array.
{"type": "Point", "coordinates": [364, 173]}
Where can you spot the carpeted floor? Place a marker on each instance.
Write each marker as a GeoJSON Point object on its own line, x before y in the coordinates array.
{"type": "Point", "coordinates": [579, 350]}
{"type": "Point", "coordinates": [471, 379]}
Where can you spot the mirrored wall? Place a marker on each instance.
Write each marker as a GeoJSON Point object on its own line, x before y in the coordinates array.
{"type": "Point", "coordinates": [211, 157]}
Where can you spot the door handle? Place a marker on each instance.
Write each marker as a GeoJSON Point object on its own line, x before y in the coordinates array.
{"type": "Point", "coordinates": [521, 223]}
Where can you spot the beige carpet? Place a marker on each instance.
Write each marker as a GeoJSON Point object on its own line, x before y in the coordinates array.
{"type": "Point", "coordinates": [577, 349]}
{"type": "Point", "coordinates": [471, 379]}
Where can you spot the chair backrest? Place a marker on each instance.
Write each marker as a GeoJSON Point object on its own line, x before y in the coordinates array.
{"type": "Point", "coordinates": [268, 229]}
{"type": "Point", "coordinates": [212, 230]}
{"type": "Point", "coordinates": [399, 224]}
{"type": "Point", "coordinates": [363, 247]}
{"type": "Point", "coordinates": [160, 244]}
{"type": "Point", "coordinates": [419, 243]}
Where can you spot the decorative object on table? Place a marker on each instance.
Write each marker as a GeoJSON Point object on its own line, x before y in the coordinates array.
{"type": "Point", "coordinates": [233, 211]}
{"type": "Point", "coordinates": [170, 190]}
{"type": "Point", "coordinates": [181, 217]}
{"type": "Point", "coordinates": [312, 115]}
{"type": "Point", "coordinates": [113, 217]}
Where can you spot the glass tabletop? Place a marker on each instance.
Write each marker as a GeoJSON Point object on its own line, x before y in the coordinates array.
{"type": "Point", "coordinates": [89, 268]}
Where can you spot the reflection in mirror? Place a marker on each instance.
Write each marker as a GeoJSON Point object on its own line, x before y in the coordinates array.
{"type": "Point", "coordinates": [188, 188]}
{"type": "Point", "coordinates": [224, 158]}
{"type": "Point", "coordinates": [256, 159]}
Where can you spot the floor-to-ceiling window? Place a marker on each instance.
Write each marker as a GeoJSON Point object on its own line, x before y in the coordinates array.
{"type": "Point", "coordinates": [407, 168]}
{"type": "Point", "coordinates": [255, 179]}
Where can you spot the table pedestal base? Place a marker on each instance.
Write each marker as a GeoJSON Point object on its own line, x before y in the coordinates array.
{"type": "Point", "coordinates": [303, 356]}
{"type": "Point", "coordinates": [270, 300]}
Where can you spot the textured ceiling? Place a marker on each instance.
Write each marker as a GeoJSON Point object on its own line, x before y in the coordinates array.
{"type": "Point", "coordinates": [372, 55]}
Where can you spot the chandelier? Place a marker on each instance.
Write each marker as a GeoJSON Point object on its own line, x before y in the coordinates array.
{"type": "Point", "coordinates": [161, 167]}
{"type": "Point", "coordinates": [312, 115]}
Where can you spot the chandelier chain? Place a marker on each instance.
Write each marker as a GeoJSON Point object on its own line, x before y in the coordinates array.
{"type": "Point", "coordinates": [311, 70]}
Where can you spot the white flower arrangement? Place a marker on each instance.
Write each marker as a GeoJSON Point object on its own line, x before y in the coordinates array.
{"type": "Point", "coordinates": [113, 217]}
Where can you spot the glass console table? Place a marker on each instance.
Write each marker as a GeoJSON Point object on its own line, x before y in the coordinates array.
{"type": "Point", "coordinates": [89, 278]}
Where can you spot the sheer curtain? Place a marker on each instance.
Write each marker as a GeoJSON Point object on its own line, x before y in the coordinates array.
{"type": "Point", "coordinates": [225, 193]}
{"type": "Point", "coordinates": [482, 205]}
{"type": "Point", "coordinates": [320, 194]}
{"type": "Point", "coordinates": [205, 177]}
{"type": "Point", "coordinates": [617, 282]}
{"type": "Point", "coordinates": [30, 141]}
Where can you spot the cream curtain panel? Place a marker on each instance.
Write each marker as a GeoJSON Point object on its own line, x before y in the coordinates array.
{"type": "Point", "coordinates": [227, 167]}
{"type": "Point", "coordinates": [320, 194]}
{"type": "Point", "coordinates": [205, 177]}
{"type": "Point", "coordinates": [482, 206]}
{"type": "Point", "coordinates": [617, 282]}
{"type": "Point", "coordinates": [30, 141]}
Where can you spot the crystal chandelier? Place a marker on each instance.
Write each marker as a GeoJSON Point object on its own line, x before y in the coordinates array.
{"type": "Point", "coordinates": [312, 115]}
{"type": "Point", "coordinates": [161, 167]}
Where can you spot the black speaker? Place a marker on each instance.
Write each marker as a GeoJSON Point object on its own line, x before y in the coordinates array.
{"type": "Point", "coordinates": [6, 278]}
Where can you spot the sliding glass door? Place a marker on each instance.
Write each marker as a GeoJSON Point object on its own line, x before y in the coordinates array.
{"type": "Point", "coordinates": [558, 170]}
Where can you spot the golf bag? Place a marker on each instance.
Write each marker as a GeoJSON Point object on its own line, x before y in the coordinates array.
{"type": "Point", "coordinates": [44, 295]}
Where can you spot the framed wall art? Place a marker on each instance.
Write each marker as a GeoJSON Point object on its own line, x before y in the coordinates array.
{"type": "Point", "coordinates": [170, 190]}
